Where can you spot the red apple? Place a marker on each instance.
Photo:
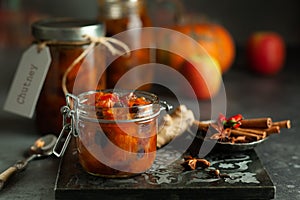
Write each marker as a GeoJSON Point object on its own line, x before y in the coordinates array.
{"type": "Point", "coordinates": [265, 52]}
{"type": "Point", "coordinates": [204, 75]}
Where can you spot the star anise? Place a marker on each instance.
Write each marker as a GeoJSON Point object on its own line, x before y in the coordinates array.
{"type": "Point", "coordinates": [191, 163]}
{"type": "Point", "coordinates": [222, 133]}
{"type": "Point", "coordinates": [224, 126]}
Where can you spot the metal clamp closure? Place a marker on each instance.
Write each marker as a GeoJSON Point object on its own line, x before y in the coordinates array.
{"type": "Point", "coordinates": [165, 106]}
{"type": "Point", "coordinates": [67, 130]}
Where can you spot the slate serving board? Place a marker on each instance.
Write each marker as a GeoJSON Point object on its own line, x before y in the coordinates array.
{"type": "Point", "coordinates": [167, 180]}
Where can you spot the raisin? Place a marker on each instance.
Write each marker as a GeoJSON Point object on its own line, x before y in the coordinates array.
{"type": "Point", "coordinates": [134, 109]}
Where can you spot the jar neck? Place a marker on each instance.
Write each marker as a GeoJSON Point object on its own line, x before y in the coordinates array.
{"type": "Point", "coordinates": [90, 112]}
{"type": "Point", "coordinates": [117, 9]}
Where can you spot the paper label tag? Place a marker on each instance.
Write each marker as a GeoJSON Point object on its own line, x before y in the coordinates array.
{"type": "Point", "coordinates": [28, 81]}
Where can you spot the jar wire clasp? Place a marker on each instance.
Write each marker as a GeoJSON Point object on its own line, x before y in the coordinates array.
{"type": "Point", "coordinates": [68, 126]}
{"type": "Point", "coordinates": [165, 106]}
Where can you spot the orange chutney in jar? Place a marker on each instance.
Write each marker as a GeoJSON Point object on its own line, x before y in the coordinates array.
{"type": "Point", "coordinates": [64, 38]}
{"type": "Point", "coordinates": [117, 132]}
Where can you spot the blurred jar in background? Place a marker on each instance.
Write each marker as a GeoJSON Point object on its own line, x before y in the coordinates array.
{"type": "Point", "coordinates": [119, 16]}
{"type": "Point", "coordinates": [166, 13]}
{"type": "Point", "coordinates": [15, 23]}
{"type": "Point", "coordinates": [65, 41]}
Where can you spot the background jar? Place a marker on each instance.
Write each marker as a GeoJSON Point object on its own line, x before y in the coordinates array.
{"type": "Point", "coordinates": [118, 146]}
{"type": "Point", "coordinates": [119, 16]}
{"type": "Point", "coordinates": [64, 37]}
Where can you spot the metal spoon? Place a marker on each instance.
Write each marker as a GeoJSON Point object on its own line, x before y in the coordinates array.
{"type": "Point", "coordinates": [41, 147]}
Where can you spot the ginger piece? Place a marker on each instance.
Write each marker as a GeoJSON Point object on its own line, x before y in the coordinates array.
{"type": "Point", "coordinates": [174, 125]}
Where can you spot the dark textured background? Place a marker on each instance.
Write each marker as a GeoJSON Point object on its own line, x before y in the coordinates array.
{"type": "Point", "coordinates": [240, 17]}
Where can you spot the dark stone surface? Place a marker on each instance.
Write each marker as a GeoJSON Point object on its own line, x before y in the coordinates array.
{"type": "Point", "coordinates": [247, 179]}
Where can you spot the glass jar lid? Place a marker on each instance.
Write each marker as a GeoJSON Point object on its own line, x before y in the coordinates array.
{"type": "Point", "coordinates": [66, 29]}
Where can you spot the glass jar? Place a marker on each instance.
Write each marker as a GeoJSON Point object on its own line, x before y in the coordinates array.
{"type": "Point", "coordinates": [64, 37]}
{"type": "Point", "coordinates": [119, 16]}
{"type": "Point", "coordinates": [115, 131]}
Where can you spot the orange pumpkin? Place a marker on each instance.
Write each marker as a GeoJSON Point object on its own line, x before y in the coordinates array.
{"type": "Point", "coordinates": [215, 39]}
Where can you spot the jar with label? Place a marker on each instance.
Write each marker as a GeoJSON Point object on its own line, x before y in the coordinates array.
{"type": "Point", "coordinates": [119, 16]}
{"type": "Point", "coordinates": [64, 38]}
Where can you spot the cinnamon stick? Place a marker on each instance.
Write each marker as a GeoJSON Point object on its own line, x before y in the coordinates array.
{"type": "Point", "coordinates": [283, 124]}
{"type": "Point", "coordinates": [239, 139]}
{"type": "Point", "coordinates": [215, 136]}
{"type": "Point", "coordinates": [251, 136]}
{"type": "Point", "coordinates": [200, 125]}
{"type": "Point", "coordinates": [259, 132]}
{"type": "Point", "coordinates": [256, 123]}
{"type": "Point", "coordinates": [272, 129]}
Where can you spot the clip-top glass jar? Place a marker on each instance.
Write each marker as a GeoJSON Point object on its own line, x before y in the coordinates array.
{"type": "Point", "coordinates": [115, 131]}
{"type": "Point", "coordinates": [64, 37]}
{"type": "Point", "coordinates": [123, 15]}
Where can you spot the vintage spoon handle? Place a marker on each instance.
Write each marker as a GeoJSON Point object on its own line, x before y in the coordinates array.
{"type": "Point", "coordinates": [4, 176]}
